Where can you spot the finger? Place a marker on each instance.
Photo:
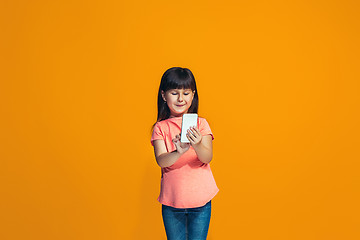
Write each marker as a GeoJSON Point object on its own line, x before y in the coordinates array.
{"type": "Point", "coordinates": [193, 133]}
{"type": "Point", "coordinates": [189, 137]}
{"type": "Point", "coordinates": [196, 130]}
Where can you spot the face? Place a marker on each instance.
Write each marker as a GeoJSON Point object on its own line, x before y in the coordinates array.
{"type": "Point", "coordinates": [178, 100]}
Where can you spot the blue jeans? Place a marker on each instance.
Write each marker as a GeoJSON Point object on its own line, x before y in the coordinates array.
{"type": "Point", "coordinates": [186, 223]}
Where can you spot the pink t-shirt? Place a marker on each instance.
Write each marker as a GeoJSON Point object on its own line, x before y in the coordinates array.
{"type": "Point", "coordinates": [188, 183]}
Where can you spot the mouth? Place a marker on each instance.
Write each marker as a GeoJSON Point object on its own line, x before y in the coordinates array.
{"type": "Point", "coordinates": [180, 105]}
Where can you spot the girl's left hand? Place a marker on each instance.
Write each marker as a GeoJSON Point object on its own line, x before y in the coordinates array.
{"type": "Point", "coordinates": [194, 136]}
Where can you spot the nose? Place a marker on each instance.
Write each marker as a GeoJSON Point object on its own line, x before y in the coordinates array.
{"type": "Point", "coordinates": [180, 98]}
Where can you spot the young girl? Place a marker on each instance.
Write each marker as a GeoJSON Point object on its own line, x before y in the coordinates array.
{"type": "Point", "coordinates": [187, 183]}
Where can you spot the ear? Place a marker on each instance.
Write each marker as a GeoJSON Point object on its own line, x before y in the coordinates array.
{"type": "Point", "coordinates": [163, 94]}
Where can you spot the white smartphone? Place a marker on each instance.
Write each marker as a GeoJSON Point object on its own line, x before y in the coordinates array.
{"type": "Point", "coordinates": [188, 120]}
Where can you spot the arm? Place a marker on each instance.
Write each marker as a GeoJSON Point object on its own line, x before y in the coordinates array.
{"type": "Point", "coordinates": [164, 158]}
{"type": "Point", "coordinates": [204, 149]}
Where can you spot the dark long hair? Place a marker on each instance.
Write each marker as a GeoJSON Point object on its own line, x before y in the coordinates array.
{"type": "Point", "coordinates": [176, 78]}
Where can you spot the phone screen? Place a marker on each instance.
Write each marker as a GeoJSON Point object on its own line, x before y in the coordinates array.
{"type": "Point", "coordinates": [188, 120]}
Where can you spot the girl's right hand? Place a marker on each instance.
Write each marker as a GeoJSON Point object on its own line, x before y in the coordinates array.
{"type": "Point", "coordinates": [180, 147]}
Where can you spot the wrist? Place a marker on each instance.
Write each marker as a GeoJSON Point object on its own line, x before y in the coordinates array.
{"type": "Point", "coordinates": [196, 146]}
{"type": "Point", "coordinates": [180, 153]}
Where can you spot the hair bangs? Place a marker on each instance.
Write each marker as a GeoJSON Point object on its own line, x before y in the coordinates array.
{"type": "Point", "coordinates": [179, 79]}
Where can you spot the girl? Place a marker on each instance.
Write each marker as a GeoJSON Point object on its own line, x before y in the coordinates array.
{"type": "Point", "coordinates": [187, 183]}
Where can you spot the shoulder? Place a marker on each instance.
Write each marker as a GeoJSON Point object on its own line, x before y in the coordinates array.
{"type": "Point", "coordinates": [157, 127]}
{"type": "Point", "coordinates": [162, 126]}
{"type": "Point", "coordinates": [205, 128]}
{"type": "Point", "coordinates": [160, 123]}
{"type": "Point", "coordinates": [203, 121]}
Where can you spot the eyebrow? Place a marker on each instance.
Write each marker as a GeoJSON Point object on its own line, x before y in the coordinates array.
{"type": "Point", "coordinates": [177, 90]}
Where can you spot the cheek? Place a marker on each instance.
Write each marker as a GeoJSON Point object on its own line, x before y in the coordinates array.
{"type": "Point", "coordinates": [172, 99]}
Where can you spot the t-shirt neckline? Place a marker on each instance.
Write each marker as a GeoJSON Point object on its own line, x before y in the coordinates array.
{"type": "Point", "coordinates": [174, 118]}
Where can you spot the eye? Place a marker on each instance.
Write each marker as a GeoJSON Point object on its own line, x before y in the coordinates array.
{"type": "Point", "coordinates": [174, 93]}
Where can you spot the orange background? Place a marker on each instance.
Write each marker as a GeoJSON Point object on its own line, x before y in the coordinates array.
{"type": "Point", "coordinates": [278, 82]}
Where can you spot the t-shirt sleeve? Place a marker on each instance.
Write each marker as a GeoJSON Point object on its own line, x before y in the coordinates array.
{"type": "Point", "coordinates": [157, 133]}
{"type": "Point", "coordinates": [205, 128]}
